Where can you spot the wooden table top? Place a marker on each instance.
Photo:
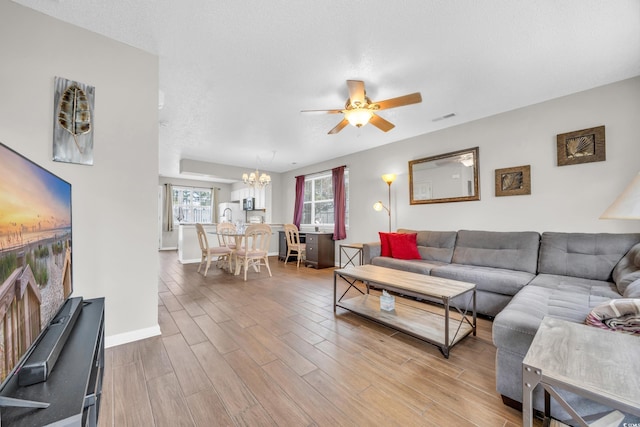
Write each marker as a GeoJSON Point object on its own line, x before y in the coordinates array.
{"type": "Point", "coordinates": [596, 361]}
{"type": "Point", "coordinates": [415, 283]}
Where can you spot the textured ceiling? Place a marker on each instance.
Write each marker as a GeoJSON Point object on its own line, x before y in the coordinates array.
{"type": "Point", "coordinates": [235, 74]}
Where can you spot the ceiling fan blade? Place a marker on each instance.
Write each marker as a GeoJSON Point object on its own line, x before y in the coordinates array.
{"type": "Point", "coordinates": [381, 123]}
{"type": "Point", "coordinates": [400, 101]}
{"type": "Point", "coordinates": [339, 127]}
{"type": "Point", "coordinates": [322, 111]}
{"type": "Point", "coordinates": [356, 92]}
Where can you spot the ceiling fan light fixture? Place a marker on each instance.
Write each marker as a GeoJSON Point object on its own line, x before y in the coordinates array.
{"type": "Point", "coordinates": [358, 117]}
{"type": "Point", "coordinates": [359, 110]}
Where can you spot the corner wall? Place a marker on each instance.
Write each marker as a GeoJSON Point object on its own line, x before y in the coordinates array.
{"type": "Point", "coordinates": [114, 201]}
{"type": "Point", "coordinates": [566, 198]}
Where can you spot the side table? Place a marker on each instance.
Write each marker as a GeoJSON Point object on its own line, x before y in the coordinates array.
{"type": "Point", "coordinates": [350, 251]}
{"type": "Point", "coordinates": [598, 364]}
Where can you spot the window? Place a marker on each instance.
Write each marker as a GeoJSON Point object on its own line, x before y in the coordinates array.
{"type": "Point", "coordinates": [318, 200]}
{"type": "Point", "coordinates": [192, 205]}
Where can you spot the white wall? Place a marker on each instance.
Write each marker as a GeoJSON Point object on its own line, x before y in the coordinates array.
{"type": "Point", "coordinates": [114, 201]}
{"type": "Point", "coordinates": [567, 198]}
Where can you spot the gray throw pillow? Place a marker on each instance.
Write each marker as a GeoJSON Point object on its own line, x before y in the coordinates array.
{"type": "Point", "coordinates": [627, 270]}
{"type": "Point", "coordinates": [633, 290]}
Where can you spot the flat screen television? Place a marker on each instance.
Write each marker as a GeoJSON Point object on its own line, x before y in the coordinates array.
{"type": "Point", "coordinates": [35, 257]}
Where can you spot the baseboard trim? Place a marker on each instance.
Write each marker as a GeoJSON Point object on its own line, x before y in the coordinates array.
{"type": "Point", "coordinates": [127, 337]}
{"type": "Point", "coordinates": [168, 248]}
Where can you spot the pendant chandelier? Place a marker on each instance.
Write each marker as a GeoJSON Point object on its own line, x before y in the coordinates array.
{"type": "Point", "coordinates": [256, 179]}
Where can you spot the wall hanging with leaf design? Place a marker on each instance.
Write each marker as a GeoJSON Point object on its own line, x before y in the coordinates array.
{"type": "Point", "coordinates": [581, 146]}
{"type": "Point", "coordinates": [73, 122]}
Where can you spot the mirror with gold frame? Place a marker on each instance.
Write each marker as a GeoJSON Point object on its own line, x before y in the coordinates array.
{"type": "Point", "coordinates": [449, 177]}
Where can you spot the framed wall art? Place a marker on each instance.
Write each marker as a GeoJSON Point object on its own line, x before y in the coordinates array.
{"type": "Point", "coordinates": [73, 122]}
{"type": "Point", "coordinates": [581, 146]}
{"type": "Point", "coordinates": [515, 181]}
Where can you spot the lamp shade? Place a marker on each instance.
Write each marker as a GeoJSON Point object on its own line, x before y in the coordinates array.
{"type": "Point", "coordinates": [389, 178]}
{"type": "Point", "coordinates": [627, 205]}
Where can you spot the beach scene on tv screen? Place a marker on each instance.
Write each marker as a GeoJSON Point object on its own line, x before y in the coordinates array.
{"type": "Point", "coordinates": [35, 252]}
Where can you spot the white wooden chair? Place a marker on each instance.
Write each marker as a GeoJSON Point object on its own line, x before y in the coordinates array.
{"type": "Point", "coordinates": [222, 253]}
{"type": "Point", "coordinates": [293, 243]}
{"type": "Point", "coordinates": [225, 231]}
{"type": "Point", "coordinates": [227, 238]}
{"type": "Point", "coordinates": [254, 250]}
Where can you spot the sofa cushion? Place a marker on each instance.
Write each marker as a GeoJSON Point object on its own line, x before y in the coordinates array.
{"type": "Point", "coordinates": [496, 280]}
{"type": "Point", "coordinates": [413, 266]}
{"type": "Point", "coordinates": [434, 245]}
{"type": "Point", "coordinates": [577, 285]}
{"type": "Point", "coordinates": [404, 246]}
{"type": "Point", "coordinates": [507, 250]}
{"type": "Point", "coordinates": [633, 290]}
{"type": "Point", "coordinates": [628, 269]}
{"type": "Point", "coordinates": [590, 256]}
{"type": "Point", "coordinates": [515, 326]}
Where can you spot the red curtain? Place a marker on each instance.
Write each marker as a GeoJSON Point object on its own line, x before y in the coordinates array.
{"type": "Point", "coordinates": [299, 205]}
{"type": "Point", "coordinates": [339, 204]}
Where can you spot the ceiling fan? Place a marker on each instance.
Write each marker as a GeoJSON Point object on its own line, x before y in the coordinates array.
{"type": "Point", "coordinates": [359, 110]}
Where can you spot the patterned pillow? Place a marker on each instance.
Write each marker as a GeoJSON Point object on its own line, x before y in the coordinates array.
{"type": "Point", "coordinates": [621, 315]}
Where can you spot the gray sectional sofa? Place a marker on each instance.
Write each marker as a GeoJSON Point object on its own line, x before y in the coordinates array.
{"type": "Point", "coordinates": [522, 277]}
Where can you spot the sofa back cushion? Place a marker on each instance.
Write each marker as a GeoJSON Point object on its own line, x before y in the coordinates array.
{"type": "Point", "coordinates": [633, 290]}
{"type": "Point", "coordinates": [434, 245]}
{"type": "Point", "coordinates": [516, 250]}
{"type": "Point", "coordinates": [627, 270]}
{"type": "Point", "coordinates": [585, 255]}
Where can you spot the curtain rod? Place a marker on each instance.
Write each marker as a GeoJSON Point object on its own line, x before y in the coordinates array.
{"type": "Point", "coordinates": [326, 170]}
{"type": "Point", "coordinates": [191, 186]}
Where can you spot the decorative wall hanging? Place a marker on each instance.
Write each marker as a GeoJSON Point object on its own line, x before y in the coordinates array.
{"type": "Point", "coordinates": [581, 146]}
{"type": "Point", "coordinates": [514, 181]}
{"type": "Point", "coordinates": [73, 122]}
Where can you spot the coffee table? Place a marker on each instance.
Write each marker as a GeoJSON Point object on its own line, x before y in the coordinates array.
{"type": "Point", "coordinates": [426, 325]}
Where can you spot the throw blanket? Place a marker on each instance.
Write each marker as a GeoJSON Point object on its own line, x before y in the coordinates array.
{"type": "Point", "coordinates": [618, 314]}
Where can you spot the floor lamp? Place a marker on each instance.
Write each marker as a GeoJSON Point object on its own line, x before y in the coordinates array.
{"type": "Point", "coordinates": [378, 206]}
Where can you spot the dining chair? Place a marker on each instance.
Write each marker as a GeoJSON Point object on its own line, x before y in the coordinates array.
{"type": "Point", "coordinates": [293, 243]}
{"type": "Point", "coordinates": [222, 253]}
{"type": "Point", "coordinates": [254, 251]}
{"type": "Point", "coordinates": [225, 231]}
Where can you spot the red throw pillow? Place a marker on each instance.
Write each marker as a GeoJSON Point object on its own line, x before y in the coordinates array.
{"type": "Point", "coordinates": [385, 247]}
{"type": "Point", "coordinates": [404, 245]}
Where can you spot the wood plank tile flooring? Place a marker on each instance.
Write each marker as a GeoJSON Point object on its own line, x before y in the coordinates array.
{"type": "Point", "coordinates": [271, 352]}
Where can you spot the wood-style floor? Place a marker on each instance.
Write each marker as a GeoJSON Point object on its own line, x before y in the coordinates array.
{"type": "Point", "coordinates": [270, 351]}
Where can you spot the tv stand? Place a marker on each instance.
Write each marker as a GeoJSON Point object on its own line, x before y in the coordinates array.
{"type": "Point", "coordinates": [73, 388]}
{"type": "Point", "coordinates": [21, 403]}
